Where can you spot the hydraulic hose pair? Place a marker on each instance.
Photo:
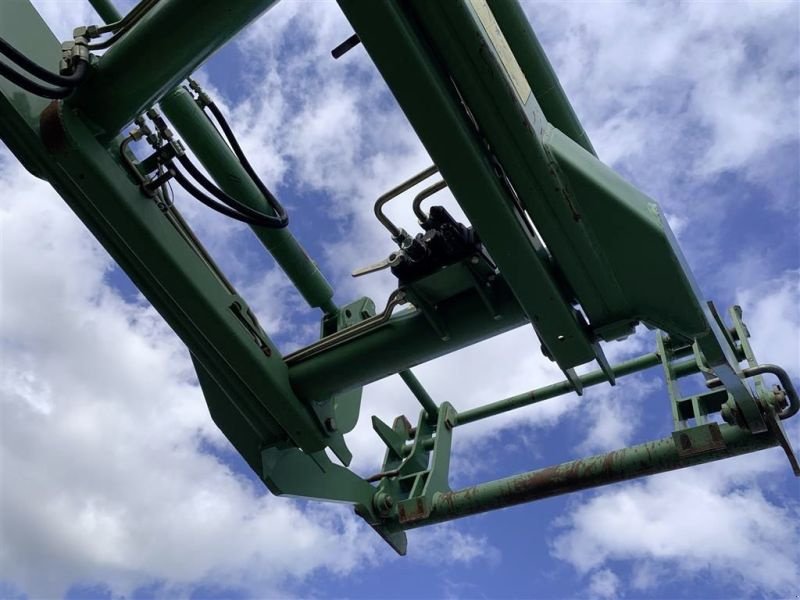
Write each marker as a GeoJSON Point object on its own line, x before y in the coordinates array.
{"type": "Point", "coordinates": [59, 86]}
{"type": "Point", "coordinates": [56, 86]}
{"type": "Point", "coordinates": [167, 150]}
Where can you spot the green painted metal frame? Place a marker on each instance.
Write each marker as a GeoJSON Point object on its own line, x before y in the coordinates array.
{"type": "Point", "coordinates": [481, 94]}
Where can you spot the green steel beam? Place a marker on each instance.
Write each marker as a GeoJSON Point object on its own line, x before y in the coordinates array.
{"type": "Point", "coordinates": [666, 454]}
{"type": "Point", "coordinates": [405, 340]}
{"type": "Point", "coordinates": [467, 41]}
{"type": "Point", "coordinates": [428, 98]}
{"type": "Point", "coordinates": [211, 150]}
{"type": "Point", "coordinates": [169, 43]}
{"type": "Point", "coordinates": [24, 29]}
{"type": "Point", "coordinates": [538, 71]}
{"type": "Point", "coordinates": [157, 252]}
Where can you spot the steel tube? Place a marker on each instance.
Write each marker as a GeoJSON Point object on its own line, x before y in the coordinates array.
{"type": "Point", "coordinates": [538, 71]}
{"type": "Point", "coordinates": [420, 393]}
{"type": "Point", "coordinates": [169, 43]}
{"type": "Point", "coordinates": [405, 340]}
{"type": "Point", "coordinates": [396, 191]}
{"type": "Point", "coordinates": [565, 387]}
{"type": "Point", "coordinates": [644, 459]}
{"type": "Point", "coordinates": [211, 150]}
{"type": "Point", "coordinates": [106, 9]}
{"type": "Point", "coordinates": [426, 193]}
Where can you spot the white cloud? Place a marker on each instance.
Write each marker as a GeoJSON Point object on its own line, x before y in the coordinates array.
{"type": "Point", "coordinates": [697, 522]}
{"type": "Point", "coordinates": [451, 546]}
{"type": "Point", "coordinates": [722, 80]}
{"type": "Point", "coordinates": [614, 414]}
{"type": "Point", "coordinates": [771, 310]}
{"type": "Point", "coordinates": [604, 584]}
{"type": "Point", "coordinates": [103, 475]}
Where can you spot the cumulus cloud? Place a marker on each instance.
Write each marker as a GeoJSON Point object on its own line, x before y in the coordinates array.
{"type": "Point", "coordinates": [614, 415]}
{"type": "Point", "coordinates": [104, 473]}
{"type": "Point", "coordinates": [771, 310]}
{"type": "Point", "coordinates": [698, 522]}
{"type": "Point", "coordinates": [693, 102]}
{"type": "Point", "coordinates": [451, 546]}
{"type": "Point", "coordinates": [604, 584]}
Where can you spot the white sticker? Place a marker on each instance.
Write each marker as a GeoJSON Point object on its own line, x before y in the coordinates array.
{"type": "Point", "coordinates": [501, 47]}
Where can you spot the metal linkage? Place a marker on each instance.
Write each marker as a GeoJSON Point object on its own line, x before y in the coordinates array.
{"type": "Point", "coordinates": [396, 298]}
{"type": "Point", "coordinates": [420, 393]}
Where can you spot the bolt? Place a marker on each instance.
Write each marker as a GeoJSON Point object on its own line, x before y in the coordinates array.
{"type": "Point", "coordinates": [330, 424]}
{"type": "Point", "coordinates": [383, 502]}
{"type": "Point", "coordinates": [475, 260]}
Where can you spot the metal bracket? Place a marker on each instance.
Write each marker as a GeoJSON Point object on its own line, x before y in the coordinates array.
{"type": "Point", "coordinates": [698, 440]}
{"type": "Point", "coordinates": [413, 476]}
{"type": "Point", "coordinates": [339, 414]}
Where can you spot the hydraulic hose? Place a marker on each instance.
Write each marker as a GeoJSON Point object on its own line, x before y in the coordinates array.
{"type": "Point", "coordinates": [228, 206]}
{"type": "Point", "coordinates": [71, 80]}
{"type": "Point", "coordinates": [281, 219]}
{"type": "Point", "coordinates": [198, 195]}
{"type": "Point", "coordinates": [124, 25]}
{"type": "Point", "coordinates": [256, 217]}
{"type": "Point", "coordinates": [34, 87]}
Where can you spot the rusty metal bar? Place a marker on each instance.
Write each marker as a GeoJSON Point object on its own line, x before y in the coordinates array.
{"type": "Point", "coordinates": [644, 459]}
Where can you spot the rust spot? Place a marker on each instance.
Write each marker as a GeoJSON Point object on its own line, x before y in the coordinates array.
{"type": "Point", "coordinates": [51, 129]}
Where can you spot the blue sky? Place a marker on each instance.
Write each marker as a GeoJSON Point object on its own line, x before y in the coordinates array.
{"type": "Point", "coordinates": [114, 482]}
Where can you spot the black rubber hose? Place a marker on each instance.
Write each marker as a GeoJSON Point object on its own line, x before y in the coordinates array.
{"type": "Point", "coordinates": [237, 150]}
{"type": "Point", "coordinates": [123, 26]}
{"type": "Point", "coordinates": [259, 218]}
{"type": "Point", "coordinates": [78, 75]}
{"type": "Point", "coordinates": [34, 87]}
{"type": "Point", "coordinates": [213, 204]}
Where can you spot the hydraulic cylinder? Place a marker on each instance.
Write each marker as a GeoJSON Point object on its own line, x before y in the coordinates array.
{"type": "Point", "coordinates": [205, 141]}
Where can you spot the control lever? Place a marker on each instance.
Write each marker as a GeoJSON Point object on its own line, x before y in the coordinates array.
{"type": "Point", "coordinates": [394, 259]}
